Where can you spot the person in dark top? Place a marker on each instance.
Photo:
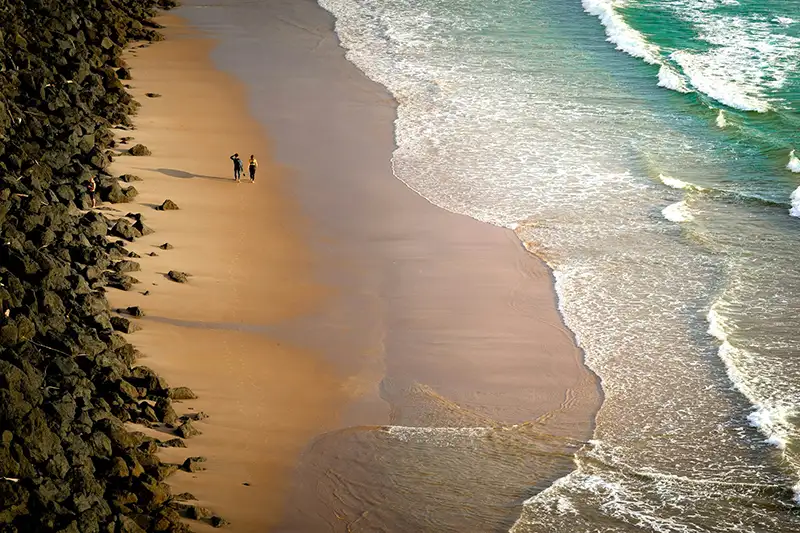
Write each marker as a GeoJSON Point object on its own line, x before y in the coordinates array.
{"type": "Point", "coordinates": [91, 188]}
{"type": "Point", "coordinates": [238, 167]}
{"type": "Point", "coordinates": [253, 166]}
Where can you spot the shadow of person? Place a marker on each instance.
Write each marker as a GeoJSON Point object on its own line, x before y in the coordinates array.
{"type": "Point", "coordinates": [174, 173]}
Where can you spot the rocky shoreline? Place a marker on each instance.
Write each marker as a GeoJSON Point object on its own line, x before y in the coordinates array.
{"type": "Point", "coordinates": [69, 381]}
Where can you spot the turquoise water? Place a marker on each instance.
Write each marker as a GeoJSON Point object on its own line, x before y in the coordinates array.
{"type": "Point", "coordinates": [645, 150]}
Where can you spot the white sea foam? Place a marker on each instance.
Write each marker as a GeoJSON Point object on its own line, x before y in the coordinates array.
{"type": "Point", "coordinates": [794, 162]}
{"type": "Point", "coordinates": [675, 183]}
{"type": "Point", "coordinates": [677, 212]}
{"type": "Point", "coordinates": [784, 21]}
{"type": "Point", "coordinates": [670, 79]}
{"type": "Point", "coordinates": [722, 122]}
{"type": "Point", "coordinates": [620, 33]}
{"type": "Point", "coordinates": [708, 78]}
{"type": "Point", "coordinates": [795, 198]}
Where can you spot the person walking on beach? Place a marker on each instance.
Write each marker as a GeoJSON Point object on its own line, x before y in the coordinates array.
{"type": "Point", "coordinates": [91, 188]}
{"type": "Point", "coordinates": [253, 166]}
{"type": "Point", "coordinates": [238, 167]}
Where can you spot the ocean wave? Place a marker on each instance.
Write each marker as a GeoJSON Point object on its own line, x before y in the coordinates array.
{"type": "Point", "coordinates": [722, 122]}
{"type": "Point", "coordinates": [795, 199]}
{"type": "Point", "coordinates": [771, 418]}
{"type": "Point", "coordinates": [794, 162]}
{"type": "Point", "coordinates": [716, 83]}
{"type": "Point", "coordinates": [670, 79]}
{"type": "Point", "coordinates": [677, 212]}
{"type": "Point", "coordinates": [626, 39]}
{"type": "Point", "coordinates": [675, 183]}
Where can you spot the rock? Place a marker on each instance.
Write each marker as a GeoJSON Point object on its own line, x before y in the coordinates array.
{"type": "Point", "coordinates": [182, 393]}
{"type": "Point", "coordinates": [126, 266]}
{"type": "Point", "coordinates": [187, 430]}
{"type": "Point", "coordinates": [127, 525]}
{"type": "Point", "coordinates": [152, 95]}
{"type": "Point", "coordinates": [135, 310]}
{"type": "Point", "coordinates": [123, 228]}
{"type": "Point", "coordinates": [173, 443]}
{"type": "Point", "coordinates": [166, 246]}
{"type": "Point", "coordinates": [218, 521]}
{"type": "Point", "coordinates": [123, 73]}
{"type": "Point", "coordinates": [124, 325]}
{"type": "Point", "coordinates": [196, 512]}
{"type": "Point", "coordinates": [128, 178]}
{"type": "Point", "coordinates": [193, 464]}
{"type": "Point", "coordinates": [140, 226]}
{"type": "Point", "coordinates": [139, 150]}
{"type": "Point", "coordinates": [184, 496]}
{"type": "Point", "coordinates": [153, 254]}
{"type": "Point", "coordinates": [118, 468]}
{"type": "Point", "coordinates": [121, 281]}
{"type": "Point", "coordinates": [168, 205]}
{"type": "Point", "coordinates": [166, 413]}
{"type": "Point", "coordinates": [177, 276]}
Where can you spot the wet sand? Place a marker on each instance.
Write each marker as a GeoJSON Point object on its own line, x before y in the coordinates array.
{"type": "Point", "coordinates": [369, 361]}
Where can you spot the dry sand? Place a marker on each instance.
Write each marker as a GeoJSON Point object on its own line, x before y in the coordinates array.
{"type": "Point", "coordinates": [243, 246]}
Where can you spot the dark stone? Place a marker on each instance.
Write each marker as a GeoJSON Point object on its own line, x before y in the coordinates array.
{"type": "Point", "coordinates": [193, 464]}
{"type": "Point", "coordinates": [152, 95]}
{"type": "Point", "coordinates": [121, 281]}
{"type": "Point", "coordinates": [139, 150]}
{"type": "Point", "coordinates": [123, 228]}
{"type": "Point", "coordinates": [182, 393]}
{"type": "Point", "coordinates": [166, 246]}
{"type": "Point", "coordinates": [173, 443]}
{"type": "Point", "coordinates": [187, 430]}
{"type": "Point", "coordinates": [126, 266]}
{"type": "Point", "coordinates": [177, 276]}
{"type": "Point", "coordinates": [196, 512]}
{"type": "Point", "coordinates": [135, 311]}
{"type": "Point", "coordinates": [184, 496]}
{"type": "Point", "coordinates": [128, 178]}
{"type": "Point", "coordinates": [124, 325]}
{"type": "Point", "coordinates": [168, 205]}
{"type": "Point", "coordinates": [123, 73]}
{"type": "Point", "coordinates": [218, 521]}
{"type": "Point", "coordinates": [140, 226]}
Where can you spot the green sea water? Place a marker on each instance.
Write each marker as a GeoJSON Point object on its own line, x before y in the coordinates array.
{"type": "Point", "coordinates": [644, 148]}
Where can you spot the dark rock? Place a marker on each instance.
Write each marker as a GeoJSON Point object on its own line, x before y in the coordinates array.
{"type": "Point", "coordinates": [123, 228]}
{"type": "Point", "coordinates": [140, 226]}
{"type": "Point", "coordinates": [177, 276]}
{"type": "Point", "coordinates": [196, 512]}
{"type": "Point", "coordinates": [124, 325]}
{"type": "Point", "coordinates": [166, 246]}
{"type": "Point", "coordinates": [187, 430]}
{"type": "Point", "coordinates": [123, 73]}
{"type": "Point", "coordinates": [121, 281]}
{"type": "Point", "coordinates": [184, 496]}
{"type": "Point", "coordinates": [135, 311]}
{"type": "Point", "coordinates": [173, 443]}
{"type": "Point", "coordinates": [126, 266]}
{"type": "Point", "coordinates": [218, 521]}
{"type": "Point", "coordinates": [128, 178]}
{"type": "Point", "coordinates": [193, 464]}
{"type": "Point", "coordinates": [139, 150]}
{"type": "Point", "coordinates": [152, 95]}
{"type": "Point", "coordinates": [168, 205]}
{"type": "Point", "coordinates": [182, 393]}
{"type": "Point", "coordinates": [153, 254]}
{"type": "Point", "coordinates": [127, 525]}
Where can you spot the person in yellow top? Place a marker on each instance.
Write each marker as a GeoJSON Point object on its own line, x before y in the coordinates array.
{"type": "Point", "coordinates": [253, 166]}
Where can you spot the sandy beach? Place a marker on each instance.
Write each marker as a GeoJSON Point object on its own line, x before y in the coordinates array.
{"type": "Point", "coordinates": [334, 320]}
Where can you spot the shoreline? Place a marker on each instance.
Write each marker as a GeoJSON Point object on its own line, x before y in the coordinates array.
{"type": "Point", "coordinates": [436, 321]}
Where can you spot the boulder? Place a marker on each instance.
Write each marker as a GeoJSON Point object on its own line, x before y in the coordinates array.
{"type": "Point", "coordinates": [128, 178]}
{"type": "Point", "coordinates": [193, 464]}
{"type": "Point", "coordinates": [177, 276]}
{"type": "Point", "coordinates": [168, 205]}
{"type": "Point", "coordinates": [135, 311]}
{"type": "Point", "coordinates": [196, 512]}
{"type": "Point", "coordinates": [182, 393]}
{"type": "Point", "coordinates": [187, 430]}
{"type": "Point", "coordinates": [126, 266]}
{"type": "Point", "coordinates": [139, 150]}
{"type": "Point", "coordinates": [166, 246]}
{"type": "Point", "coordinates": [123, 228]}
{"type": "Point", "coordinates": [218, 521]}
{"type": "Point", "coordinates": [123, 324]}
{"type": "Point", "coordinates": [173, 443]}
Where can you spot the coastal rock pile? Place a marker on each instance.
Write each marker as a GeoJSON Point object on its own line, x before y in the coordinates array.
{"type": "Point", "coordinates": [68, 380]}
